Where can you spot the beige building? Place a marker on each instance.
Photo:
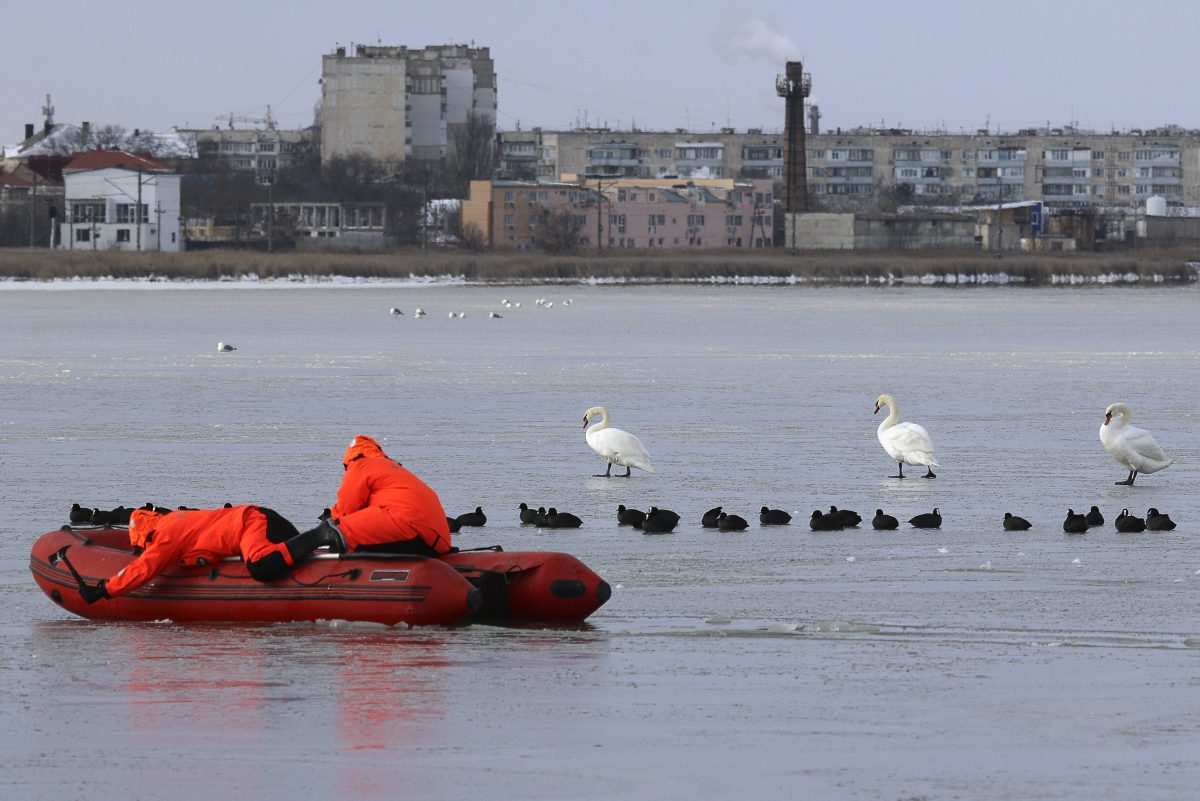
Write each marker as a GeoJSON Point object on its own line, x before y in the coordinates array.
{"type": "Point", "coordinates": [396, 104]}
{"type": "Point", "coordinates": [872, 170]}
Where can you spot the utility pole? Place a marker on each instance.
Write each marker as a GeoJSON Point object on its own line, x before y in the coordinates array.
{"type": "Point", "coordinates": [599, 211]}
{"type": "Point", "coordinates": [271, 212]}
{"type": "Point", "coordinates": [32, 210]}
{"type": "Point", "coordinates": [137, 211]}
{"type": "Point", "coordinates": [999, 209]}
{"type": "Point", "coordinates": [424, 208]}
{"type": "Point", "coordinates": [158, 213]}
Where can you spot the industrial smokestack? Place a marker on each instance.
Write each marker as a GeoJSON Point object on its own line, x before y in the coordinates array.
{"type": "Point", "coordinates": [814, 120]}
{"type": "Point", "coordinates": [28, 131]}
{"type": "Point", "coordinates": [794, 86]}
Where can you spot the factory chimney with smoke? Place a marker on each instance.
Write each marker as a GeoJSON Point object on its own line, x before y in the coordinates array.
{"type": "Point", "coordinates": [794, 86]}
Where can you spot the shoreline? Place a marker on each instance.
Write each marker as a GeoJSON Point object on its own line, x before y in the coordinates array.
{"type": "Point", "coordinates": [70, 269]}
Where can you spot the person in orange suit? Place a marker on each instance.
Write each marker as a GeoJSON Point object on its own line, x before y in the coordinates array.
{"type": "Point", "coordinates": [194, 537]}
{"type": "Point", "coordinates": [380, 507]}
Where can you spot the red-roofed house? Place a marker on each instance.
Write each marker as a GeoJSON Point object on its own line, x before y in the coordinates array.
{"type": "Point", "coordinates": [120, 201]}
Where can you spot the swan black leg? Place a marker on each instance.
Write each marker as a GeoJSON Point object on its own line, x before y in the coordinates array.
{"type": "Point", "coordinates": [901, 475]}
{"type": "Point", "coordinates": [628, 470]}
{"type": "Point", "coordinates": [930, 474]}
{"type": "Point", "coordinates": [606, 474]}
{"type": "Point", "coordinates": [1128, 481]}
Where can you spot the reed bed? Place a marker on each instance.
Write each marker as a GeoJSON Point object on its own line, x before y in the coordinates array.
{"type": "Point", "coordinates": [968, 267]}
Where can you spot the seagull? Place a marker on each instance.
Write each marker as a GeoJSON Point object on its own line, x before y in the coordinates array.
{"type": "Point", "coordinates": [452, 315]}
{"type": "Point", "coordinates": [396, 312]}
{"type": "Point", "coordinates": [223, 348]}
{"type": "Point", "coordinates": [495, 316]}
{"type": "Point", "coordinates": [419, 312]}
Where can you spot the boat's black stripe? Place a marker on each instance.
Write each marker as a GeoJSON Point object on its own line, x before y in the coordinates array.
{"type": "Point", "coordinates": [330, 592]}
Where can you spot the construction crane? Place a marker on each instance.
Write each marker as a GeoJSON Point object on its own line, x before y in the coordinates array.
{"type": "Point", "coordinates": [267, 120]}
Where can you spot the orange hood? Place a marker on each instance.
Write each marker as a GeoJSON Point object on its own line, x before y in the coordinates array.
{"type": "Point", "coordinates": [365, 447]}
{"type": "Point", "coordinates": [142, 523]}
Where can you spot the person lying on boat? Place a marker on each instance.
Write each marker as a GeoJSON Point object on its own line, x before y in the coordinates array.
{"type": "Point", "coordinates": [192, 537]}
{"type": "Point", "coordinates": [381, 507]}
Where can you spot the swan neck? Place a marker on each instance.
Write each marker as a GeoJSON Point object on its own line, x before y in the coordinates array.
{"type": "Point", "coordinates": [600, 424]}
{"type": "Point", "coordinates": [892, 418]}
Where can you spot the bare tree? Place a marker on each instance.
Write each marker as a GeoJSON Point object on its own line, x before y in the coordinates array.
{"type": "Point", "coordinates": [109, 136]}
{"type": "Point", "coordinates": [558, 232]}
{"type": "Point", "coordinates": [473, 152]}
{"type": "Point", "coordinates": [472, 237]}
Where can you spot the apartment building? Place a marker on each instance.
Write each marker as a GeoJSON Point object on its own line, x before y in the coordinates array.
{"type": "Point", "coordinates": [262, 151]}
{"type": "Point", "coordinates": [538, 154]}
{"type": "Point", "coordinates": [625, 213]}
{"type": "Point", "coordinates": [871, 169]}
{"type": "Point", "coordinates": [397, 104]}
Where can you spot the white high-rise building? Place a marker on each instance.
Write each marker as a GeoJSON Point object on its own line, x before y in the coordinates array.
{"type": "Point", "coordinates": [396, 104]}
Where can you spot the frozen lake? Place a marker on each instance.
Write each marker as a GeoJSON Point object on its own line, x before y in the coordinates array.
{"type": "Point", "coordinates": [962, 663]}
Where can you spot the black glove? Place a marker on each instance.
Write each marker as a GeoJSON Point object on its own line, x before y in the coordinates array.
{"type": "Point", "coordinates": [92, 594]}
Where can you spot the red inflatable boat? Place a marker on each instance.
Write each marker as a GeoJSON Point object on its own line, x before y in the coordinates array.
{"type": "Point", "coordinates": [490, 585]}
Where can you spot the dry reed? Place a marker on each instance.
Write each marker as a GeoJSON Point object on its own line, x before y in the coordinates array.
{"type": "Point", "coordinates": [491, 267]}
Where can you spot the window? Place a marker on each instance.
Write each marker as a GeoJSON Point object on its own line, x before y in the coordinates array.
{"type": "Point", "coordinates": [87, 212]}
{"type": "Point", "coordinates": [509, 198]}
{"type": "Point", "coordinates": [266, 147]}
{"type": "Point", "coordinates": [83, 235]}
{"type": "Point", "coordinates": [1097, 155]}
{"type": "Point", "coordinates": [509, 221]}
{"type": "Point", "coordinates": [122, 234]}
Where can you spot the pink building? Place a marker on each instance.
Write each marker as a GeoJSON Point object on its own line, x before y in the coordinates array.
{"type": "Point", "coordinates": [634, 213]}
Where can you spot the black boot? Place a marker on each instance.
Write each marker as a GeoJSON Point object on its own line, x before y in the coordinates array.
{"type": "Point", "coordinates": [326, 533]}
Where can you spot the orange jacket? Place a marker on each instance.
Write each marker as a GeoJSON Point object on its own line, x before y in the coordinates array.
{"type": "Point", "coordinates": [380, 502]}
{"type": "Point", "coordinates": [189, 537]}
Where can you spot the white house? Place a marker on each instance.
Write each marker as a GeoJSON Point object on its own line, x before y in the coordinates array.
{"type": "Point", "coordinates": [116, 200]}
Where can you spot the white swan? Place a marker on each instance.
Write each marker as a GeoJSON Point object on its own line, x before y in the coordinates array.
{"type": "Point", "coordinates": [1133, 447]}
{"type": "Point", "coordinates": [907, 443]}
{"type": "Point", "coordinates": [614, 445]}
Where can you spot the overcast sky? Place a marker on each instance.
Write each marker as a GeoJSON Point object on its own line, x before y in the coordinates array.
{"type": "Point", "coordinates": [701, 64]}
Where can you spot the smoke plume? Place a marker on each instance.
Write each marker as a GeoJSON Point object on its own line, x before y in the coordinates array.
{"type": "Point", "coordinates": [752, 39]}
